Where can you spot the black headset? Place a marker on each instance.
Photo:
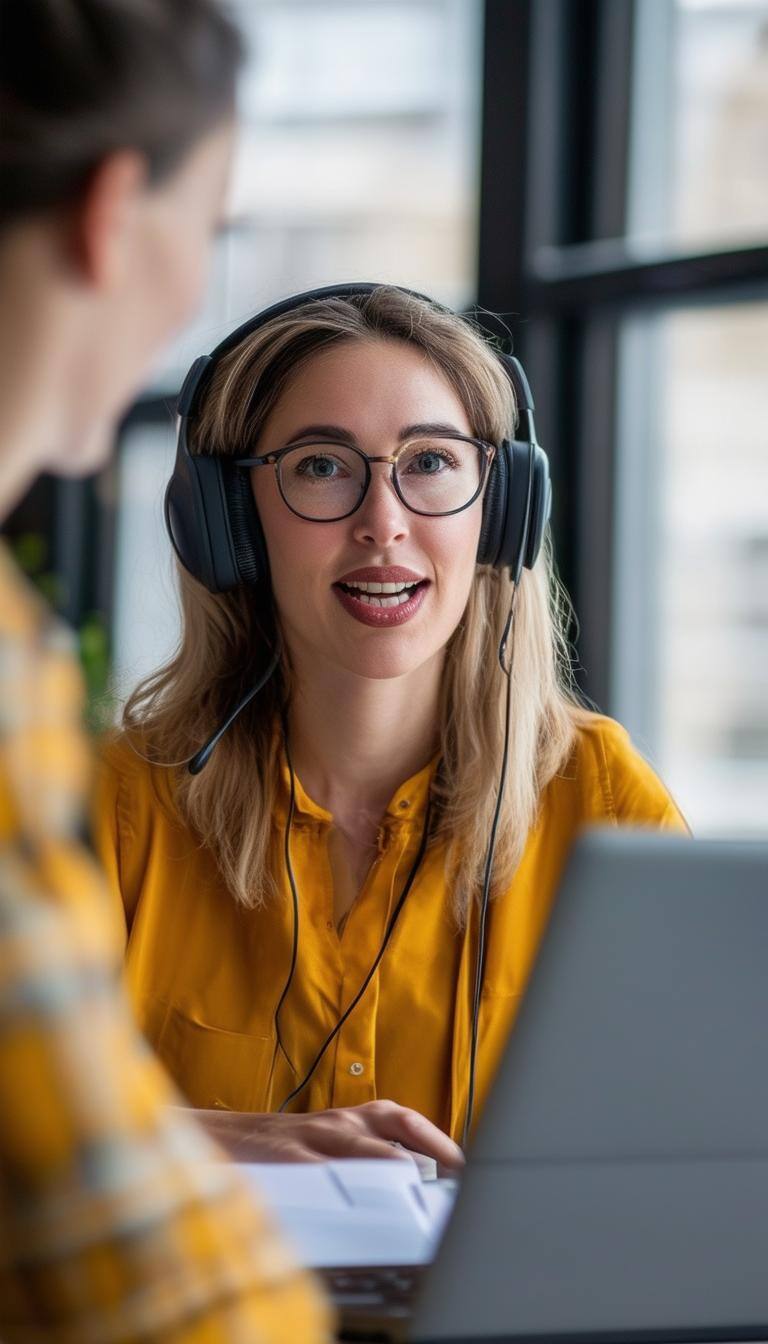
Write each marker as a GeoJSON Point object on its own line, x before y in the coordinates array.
{"type": "Point", "coordinates": [211, 514]}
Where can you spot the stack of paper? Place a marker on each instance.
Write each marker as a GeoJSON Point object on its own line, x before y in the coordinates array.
{"type": "Point", "coordinates": [355, 1213]}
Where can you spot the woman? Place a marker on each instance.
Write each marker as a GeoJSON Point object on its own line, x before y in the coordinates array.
{"type": "Point", "coordinates": [370, 760]}
{"type": "Point", "coordinates": [115, 138]}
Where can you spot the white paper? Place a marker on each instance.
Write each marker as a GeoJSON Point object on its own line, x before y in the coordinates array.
{"type": "Point", "coordinates": [355, 1213]}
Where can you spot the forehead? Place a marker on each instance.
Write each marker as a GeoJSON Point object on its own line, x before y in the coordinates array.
{"type": "Point", "coordinates": [365, 386]}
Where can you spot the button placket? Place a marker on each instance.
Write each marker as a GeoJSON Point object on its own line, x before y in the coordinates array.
{"type": "Point", "coordinates": [354, 1079]}
{"type": "Point", "coordinates": [354, 1073]}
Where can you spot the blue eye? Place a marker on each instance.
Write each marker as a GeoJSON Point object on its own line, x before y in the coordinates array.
{"type": "Point", "coordinates": [429, 463]}
{"type": "Point", "coordinates": [317, 468]}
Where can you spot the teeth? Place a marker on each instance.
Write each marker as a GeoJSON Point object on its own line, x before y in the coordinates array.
{"type": "Point", "coordinates": [381, 587]}
{"type": "Point", "coordinates": [396, 600]}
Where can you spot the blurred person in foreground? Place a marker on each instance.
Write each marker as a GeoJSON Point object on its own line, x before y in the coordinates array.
{"type": "Point", "coordinates": [118, 1220]}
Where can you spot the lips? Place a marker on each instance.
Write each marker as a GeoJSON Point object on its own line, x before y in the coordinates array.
{"type": "Point", "coordinates": [381, 610]}
{"type": "Point", "coordinates": [381, 595]}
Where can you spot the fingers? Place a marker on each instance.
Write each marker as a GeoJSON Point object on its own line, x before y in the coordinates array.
{"type": "Point", "coordinates": [363, 1147]}
{"type": "Point", "coordinates": [334, 1134]}
{"type": "Point", "coordinates": [366, 1131]}
{"type": "Point", "coordinates": [387, 1120]}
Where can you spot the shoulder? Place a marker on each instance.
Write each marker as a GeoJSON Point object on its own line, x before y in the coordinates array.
{"type": "Point", "coordinates": [611, 781]}
{"type": "Point", "coordinates": [133, 812]}
{"type": "Point", "coordinates": [45, 760]}
{"type": "Point", "coordinates": [128, 784]}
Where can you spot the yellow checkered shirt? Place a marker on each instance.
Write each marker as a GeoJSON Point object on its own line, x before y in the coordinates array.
{"type": "Point", "coordinates": [119, 1222]}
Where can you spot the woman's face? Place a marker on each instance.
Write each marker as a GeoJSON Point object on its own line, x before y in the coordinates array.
{"type": "Point", "coordinates": [372, 391]}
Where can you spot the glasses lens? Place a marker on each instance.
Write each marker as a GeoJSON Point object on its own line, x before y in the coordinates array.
{"type": "Point", "coordinates": [321, 480]}
{"type": "Point", "coordinates": [438, 475]}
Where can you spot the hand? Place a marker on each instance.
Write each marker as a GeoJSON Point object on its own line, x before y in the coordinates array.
{"type": "Point", "coordinates": [363, 1131]}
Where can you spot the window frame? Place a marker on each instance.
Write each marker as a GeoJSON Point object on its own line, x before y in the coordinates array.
{"type": "Point", "coordinates": [553, 259]}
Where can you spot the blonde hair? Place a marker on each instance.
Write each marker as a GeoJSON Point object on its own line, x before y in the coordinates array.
{"type": "Point", "coordinates": [226, 639]}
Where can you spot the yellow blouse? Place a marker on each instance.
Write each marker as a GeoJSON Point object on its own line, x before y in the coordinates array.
{"type": "Point", "coordinates": [205, 975]}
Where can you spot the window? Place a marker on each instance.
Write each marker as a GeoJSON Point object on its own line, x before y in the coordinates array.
{"type": "Point", "coordinates": [357, 156]}
{"type": "Point", "coordinates": [699, 132]}
{"type": "Point", "coordinates": [690, 645]}
{"type": "Point", "coordinates": [635, 280]}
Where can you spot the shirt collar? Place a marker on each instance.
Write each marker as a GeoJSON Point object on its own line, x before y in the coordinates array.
{"type": "Point", "coordinates": [407, 802]}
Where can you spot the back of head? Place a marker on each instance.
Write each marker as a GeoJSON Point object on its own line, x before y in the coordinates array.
{"type": "Point", "coordinates": [80, 79]}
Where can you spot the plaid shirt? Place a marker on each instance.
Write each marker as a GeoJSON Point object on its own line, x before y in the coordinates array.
{"type": "Point", "coordinates": [118, 1220]}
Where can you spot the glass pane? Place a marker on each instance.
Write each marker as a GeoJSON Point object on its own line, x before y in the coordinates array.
{"type": "Point", "coordinates": [358, 156]}
{"type": "Point", "coordinates": [699, 142]}
{"type": "Point", "coordinates": [691, 615]}
{"type": "Point", "coordinates": [146, 622]}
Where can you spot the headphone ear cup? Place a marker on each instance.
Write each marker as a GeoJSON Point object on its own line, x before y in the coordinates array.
{"type": "Point", "coordinates": [211, 518]}
{"type": "Point", "coordinates": [248, 542]}
{"type": "Point", "coordinates": [541, 507]}
{"type": "Point", "coordinates": [510, 536]}
{"type": "Point", "coordinates": [196, 519]}
{"type": "Point", "coordinates": [494, 510]}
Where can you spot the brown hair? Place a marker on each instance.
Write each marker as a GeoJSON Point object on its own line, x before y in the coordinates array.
{"type": "Point", "coordinates": [225, 639]}
{"type": "Point", "coordinates": [81, 78]}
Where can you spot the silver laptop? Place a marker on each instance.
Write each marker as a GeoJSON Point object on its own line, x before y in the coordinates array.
{"type": "Point", "coordinates": [618, 1185]}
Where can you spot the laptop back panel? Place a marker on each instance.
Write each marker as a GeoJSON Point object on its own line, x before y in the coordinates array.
{"type": "Point", "coordinates": [619, 1180]}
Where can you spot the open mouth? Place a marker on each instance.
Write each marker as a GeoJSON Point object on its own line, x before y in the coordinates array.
{"type": "Point", "coordinates": [382, 594]}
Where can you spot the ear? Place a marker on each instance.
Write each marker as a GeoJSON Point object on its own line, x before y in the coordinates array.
{"type": "Point", "coordinates": [105, 216]}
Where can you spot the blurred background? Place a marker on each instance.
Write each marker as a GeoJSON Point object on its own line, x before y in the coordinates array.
{"type": "Point", "coordinates": [596, 173]}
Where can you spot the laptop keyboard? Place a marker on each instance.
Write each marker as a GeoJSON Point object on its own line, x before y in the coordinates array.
{"type": "Point", "coordinates": [374, 1287]}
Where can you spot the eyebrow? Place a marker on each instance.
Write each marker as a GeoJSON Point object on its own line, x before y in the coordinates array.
{"type": "Point", "coordinates": [338, 434]}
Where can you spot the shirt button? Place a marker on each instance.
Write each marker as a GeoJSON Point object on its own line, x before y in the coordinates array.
{"type": "Point", "coordinates": [356, 1069]}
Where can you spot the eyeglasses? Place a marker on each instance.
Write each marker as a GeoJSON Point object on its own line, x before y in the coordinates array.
{"type": "Point", "coordinates": [324, 481]}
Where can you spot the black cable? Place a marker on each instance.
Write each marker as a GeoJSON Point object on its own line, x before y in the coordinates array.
{"type": "Point", "coordinates": [387, 935]}
{"type": "Point", "coordinates": [294, 897]}
{"type": "Point", "coordinates": [509, 631]}
{"type": "Point", "coordinates": [506, 667]}
{"type": "Point", "coordinates": [201, 758]}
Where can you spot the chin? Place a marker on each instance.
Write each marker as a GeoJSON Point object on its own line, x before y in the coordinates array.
{"type": "Point", "coordinates": [387, 664]}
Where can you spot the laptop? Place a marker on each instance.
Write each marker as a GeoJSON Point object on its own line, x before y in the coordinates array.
{"type": "Point", "coordinates": [617, 1188]}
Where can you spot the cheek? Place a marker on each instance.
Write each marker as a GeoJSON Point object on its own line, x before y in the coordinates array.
{"type": "Point", "coordinates": [187, 272]}
{"type": "Point", "coordinates": [298, 552]}
{"type": "Point", "coordinates": [175, 273]}
{"type": "Point", "coordinates": [454, 550]}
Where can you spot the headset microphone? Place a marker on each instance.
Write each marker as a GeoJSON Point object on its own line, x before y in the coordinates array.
{"type": "Point", "coordinates": [201, 758]}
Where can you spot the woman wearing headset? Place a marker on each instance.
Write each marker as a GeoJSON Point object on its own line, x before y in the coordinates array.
{"type": "Point", "coordinates": [304, 915]}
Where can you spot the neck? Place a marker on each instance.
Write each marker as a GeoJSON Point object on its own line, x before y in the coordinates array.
{"type": "Point", "coordinates": [355, 740]}
{"type": "Point", "coordinates": [26, 417]}
{"type": "Point", "coordinates": [36, 339]}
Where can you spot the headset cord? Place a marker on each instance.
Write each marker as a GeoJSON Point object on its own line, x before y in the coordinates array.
{"type": "Point", "coordinates": [387, 935]}
{"type": "Point", "coordinates": [509, 634]}
{"type": "Point", "coordinates": [294, 893]}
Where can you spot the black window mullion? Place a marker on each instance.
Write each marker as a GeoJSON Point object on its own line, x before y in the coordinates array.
{"type": "Point", "coordinates": [611, 113]}
{"type": "Point", "coordinates": [504, 154]}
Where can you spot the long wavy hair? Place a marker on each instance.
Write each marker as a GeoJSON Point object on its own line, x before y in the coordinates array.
{"type": "Point", "coordinates": [226, 639]}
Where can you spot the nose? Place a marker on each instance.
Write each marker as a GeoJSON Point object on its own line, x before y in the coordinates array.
{"type": "Point", "coordinates": [381, 518]}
